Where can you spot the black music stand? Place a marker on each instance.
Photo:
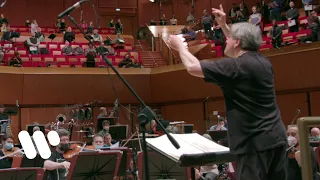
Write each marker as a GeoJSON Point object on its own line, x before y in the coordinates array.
{"type": "Point", "coordinates": [119, 132]}
{"type": "Point", "coordinates": [25, 162]}
{"type": "Point", "coordinates": [188, 128]}
{"type": "Point", "coordinates": [100, 120]}
{"type": "Point", "coordinates": [161, 167]}
{"type": "Point", "coordinates": [95, 165]}
{"type": "Point", "coordinates": [191, 160]}
{"type": "Point", "coordinates": [30, 127]}
{"type": "Point", "coordinates": [218, 135]}
{"type": "Point", "coordinates": [22, 173]}
{"type": "Point", "coordinates": [125, 160]}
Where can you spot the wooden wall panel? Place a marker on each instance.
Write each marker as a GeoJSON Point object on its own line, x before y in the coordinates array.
{"type": "Point", "coordinates": [315, 103]}
{"type": "Point", "coordinates": [289, 103]}
{"type": "Point", "coordinates": [190, 113]}
{"type": "Point", "coordinates": [12, 84]}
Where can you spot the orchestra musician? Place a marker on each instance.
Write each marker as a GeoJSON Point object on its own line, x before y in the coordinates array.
{"type": "Point", "coordinates": [57, 165]}
{"type": "Point", "coordinates": [97, 142]}
{"type": "Point", "coordinates": [107, 140]}
{"type": "Point", "coordinates": [7, 152]}
{"type": "Point", "coordinates": [256, 133]}
{"type": "Point", "coordinates": [106, 127]}
{"type": "Point", "coordinates": [294, 169]}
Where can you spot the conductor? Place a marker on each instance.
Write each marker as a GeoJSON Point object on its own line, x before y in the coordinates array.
{"type": "Point", "coordinates": [256, 132]}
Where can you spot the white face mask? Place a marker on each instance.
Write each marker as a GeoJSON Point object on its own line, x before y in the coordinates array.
{"type": "Point", "coordinates": [292, 140]}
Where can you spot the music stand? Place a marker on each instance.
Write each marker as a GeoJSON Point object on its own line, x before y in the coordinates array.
{"type": "Point", "coordinates": [52, 36]}
{"type": "Point", "coordinates": [30, 127]}
{"type": "Point", "coordinates": [188, 128]}
{"type": "Point", "coordinates": [218, 135]}
{"type": "Point", "coordinates": [119, 132]}
{"type": "Point", "coordinates": [95, 165]}
{"type": "Point", "coordinates": [25, 162]}
{"type": "Point", "coordinates": [161, 167]}
{"type": "Point", "coordinates": [22, 173]}
{"type": "Point", "coordinates": [100, 120]}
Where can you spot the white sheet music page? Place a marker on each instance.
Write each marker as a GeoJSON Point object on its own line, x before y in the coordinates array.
{"type": "Point", "coordinates": [189, 144]}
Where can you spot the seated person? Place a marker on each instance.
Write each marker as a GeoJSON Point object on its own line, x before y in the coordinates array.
{"type": "Point", "coordinates": [8, 149]}
{"type": "Point", "coordinates": [107, 140]}
{"type": "Point", "coordinates": [314, 25]}
{"type": "Point", "coordinates": [56, 166]}
{"type": "Point", "coordinates": [219, 126]}
{"type": "Point", "coordinates": [1, 55]}
{"type": "Point", "coordinates": [106, 127]}
{"type": "Point", "coordinates": [98, 142]}
{"type": "Point", "coordinates": [102, 50]}
{"type": "Point", "coordinates": [119, 27]}
{"type": "Point", "coordinates": [153, 22]}
{"type": "Point", "coordinates": [4, 27]}
{"type": "Point", "coordinates": [173, 129]}
{"type": "Point", "coordinates": [7, 35]}
{"type": "Point", "coordinates": [108, 41]}
{"type": "Point", "coordinates": [173, 21]}
{"type": "Point", "coordinates": [90, 28]}
{"type": "Point", "coordinates": [276, 34]}
{"type": "Point", "coordinates": [119, 40]}
{"type": "Point", "coordinates": [90, 62]}
{"type": "Point", "coordinates": [83, 24]}
{"type": "Point", "coordinates": [190, 35]}
{"type": "Point", "coordinates": [69, 35]}
{"type": "Point", "coordinates": [103, 113]}
{"type": "Point", "coordinates": [78, 50]}
{"type": "Point", "coordinates": [62, 27]}
{"type": "Point", "coordinates": [91, 50]}
{"type": "Point", "coordinates": [28, 23]}
{"type": "Point", "coordinates": [33, 44]}
{"type": "Point", "coordinates": [126, 61]}
{"type": "Point", "coordinates": [217, 35]}
{"type": "Point", "coordinates": [294, 164]}
{"type": "Point", "coordinates": [16, 60]}
{"type": "Point", "coordinates": [67, 49]}
{"type": "Point", "coordinates": [40, 35]}
{"type": "Point", "coordinates": [315, 134]}
{"type": "Point", "coordinates": [96, 36]}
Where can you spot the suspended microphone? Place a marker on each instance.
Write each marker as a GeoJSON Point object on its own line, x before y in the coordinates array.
{"type": "Point", "coordinates": [116, 107]}
{"type": "Point", "coordinates": [70, 9]}
{"type": "Point", "coordinates": [2, 4]}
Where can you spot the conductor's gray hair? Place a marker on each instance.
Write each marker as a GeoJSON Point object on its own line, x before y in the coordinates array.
{"type": "Point", "coordinates": [248, 34]}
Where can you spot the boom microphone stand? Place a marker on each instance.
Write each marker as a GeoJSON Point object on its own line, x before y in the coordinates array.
{"type": "Point", "coordinates": [144, 116]}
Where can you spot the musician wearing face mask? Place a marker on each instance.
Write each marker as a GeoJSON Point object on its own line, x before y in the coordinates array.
{"type": "Point", "coordinates": [294, 169]}
{"type": "Point", "coordinates": [7, 152]}
{"type": "Point", "coordinates": [56, 165]}
{"type": "Point", "coordinates": [98, 142]}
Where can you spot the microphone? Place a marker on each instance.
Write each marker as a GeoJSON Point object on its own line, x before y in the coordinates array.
{"type": "Point", "coordinates": [70, 9]}
{"type": "Point", "coordinates": [2, 4]}
{"type": "Point", "coordinates": [116, 107]}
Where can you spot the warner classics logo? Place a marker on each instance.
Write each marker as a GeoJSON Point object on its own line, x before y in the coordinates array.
{"type": "Point", "coordinates": [40, 143]}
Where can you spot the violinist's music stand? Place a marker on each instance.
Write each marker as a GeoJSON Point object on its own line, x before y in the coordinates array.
{"type": "Point", "coordinates": [119, 132]}
{"type": "Point", "coordinates": [95, 165]}
{"type": "Point", "coordinates": [161, 167]}
{"type": "Point", "coordinates": [22, 173]}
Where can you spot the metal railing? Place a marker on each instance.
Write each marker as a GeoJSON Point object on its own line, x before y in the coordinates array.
{"type": "Point", "coordinates": [305, 155]}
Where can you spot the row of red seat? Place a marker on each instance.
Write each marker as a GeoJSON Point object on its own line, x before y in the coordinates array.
{"type": "Point", "coordinates": [53, 30]}
{"type": "Point", "coordinates": [36, 60]}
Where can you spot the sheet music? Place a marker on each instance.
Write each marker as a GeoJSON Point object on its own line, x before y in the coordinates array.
{"type": "Point", "coordinates": [308, 7]}
{"type": "Point", "coordinates": [189, 144]}
{"type": "Point", "coordinates": [292, 23]}
{"type": "Point", "coordinates": [116, 145]}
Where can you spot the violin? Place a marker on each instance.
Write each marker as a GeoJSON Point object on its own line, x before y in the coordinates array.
{"type": "Point", "coordinates": [75, 149]}
{"type": "Point", "coordinates": [12, 153]}
{"type": "Point", "coordinates": [292, 153]}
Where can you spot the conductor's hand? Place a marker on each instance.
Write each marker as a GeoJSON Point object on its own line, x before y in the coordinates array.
{"type": "Point", "coordinates": [220, 15]}
{"type": "Point", "coordinates": [65, 164]}
{"type": "Point", "coordinates": [175, 42]}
